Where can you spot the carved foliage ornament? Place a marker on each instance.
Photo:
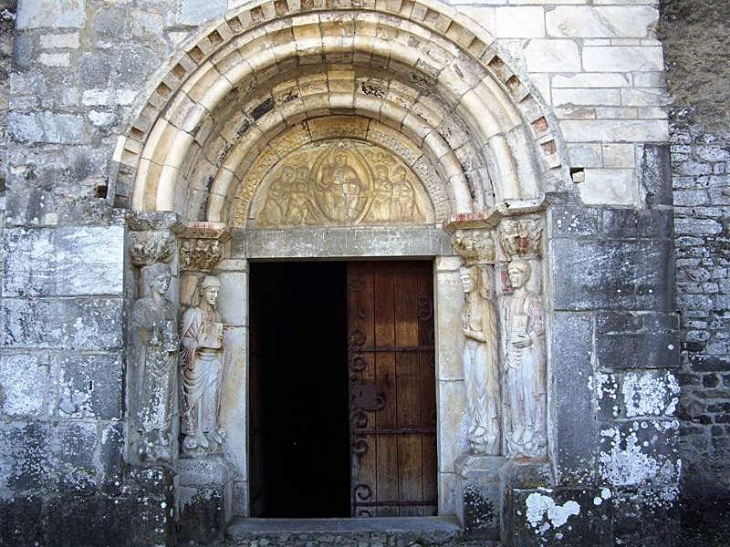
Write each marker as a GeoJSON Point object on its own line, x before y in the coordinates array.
{"type": "Point", "coordinates": [474, 246]}
{"type": "Point", "coordinates": [150, 247]}
{"type": "Point", "coordinates": [200, 254]}
{"type": "Point", "coordinates": [521, 238]}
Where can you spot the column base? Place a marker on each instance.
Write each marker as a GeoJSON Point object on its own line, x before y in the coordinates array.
{"type": "Point", "coordinates": [478, 495]}
{"type": "Point", "coordinates": [205, 497]}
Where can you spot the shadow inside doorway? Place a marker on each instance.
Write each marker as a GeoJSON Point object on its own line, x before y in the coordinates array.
{"type": "Point", "coordinates": [298, 424]}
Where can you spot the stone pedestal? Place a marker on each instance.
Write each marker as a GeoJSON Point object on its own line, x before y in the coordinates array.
{"type": "Point", "coordinates": [478, 495]}
{"type": "Point", "coordinates": [205, 497]}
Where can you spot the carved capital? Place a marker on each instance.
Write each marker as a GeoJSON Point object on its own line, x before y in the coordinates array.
{"type": "Point", "coordinates": [200, 253]}
{"type": "Point", "coordinates": [521, 238]}
{"type": "Point", "coordinates": [150, 247]}
{"type": "Point", "coordinates": [474, 246]}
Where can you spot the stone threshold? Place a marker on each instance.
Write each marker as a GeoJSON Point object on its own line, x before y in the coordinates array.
{"type": "Point", "coordinates": [355, 532]}
{"type": "Point", "coordinates": [345, 525]}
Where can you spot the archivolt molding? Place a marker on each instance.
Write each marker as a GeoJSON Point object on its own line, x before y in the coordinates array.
{"type": "Point", "coordinates": [441, 54]}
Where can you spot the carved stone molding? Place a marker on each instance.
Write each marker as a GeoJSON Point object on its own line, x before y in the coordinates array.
{"type": "Point", "coordinates": [147, 248]}
{"type": "Point", "coordinates": [521, 238]}
{"type": "Point", "coordinates": [474, 246]}
{"type": "Point", "coordinates": [201, 245]}
{"type": "Point", "coordinates": [200, 254]}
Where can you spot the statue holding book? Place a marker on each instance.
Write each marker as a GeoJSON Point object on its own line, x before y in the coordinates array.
{"type": "Point", "coordinates": [523, 335]}
{"type": "Point", "coordinates": [202, 367]}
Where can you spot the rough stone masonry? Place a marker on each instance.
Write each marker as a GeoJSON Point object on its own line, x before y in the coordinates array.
{"type": "Point", "coordinates": [95, 133]}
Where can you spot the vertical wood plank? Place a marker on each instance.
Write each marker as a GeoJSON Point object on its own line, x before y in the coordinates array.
{"type": "Point", "coordinates": [361, 337]}
{"type": "Point", "coordinates": [387, 445]}
{"type": "Point", "coordinates": [427, 366]}
{"type": "Point", "coordinates": [408, 388]}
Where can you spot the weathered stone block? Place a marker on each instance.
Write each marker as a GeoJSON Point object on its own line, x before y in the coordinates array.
{"type": "Point", "coordinates": [649, 394]}
{"type": "Point", "coordinates": [20, 521]}
{"type": "Point", "coordinates": [709, 363]}
{"type": "Point", "coordinates": [571, 222]}
{"type": "Point", "coordinates": [641, 453]}
{"type": "Point", "coordinates": [126, 521]}
{"type": "Point", "coordinates": [601, 22]}
{"type": "Point", "coordinates": [51, 13]}
{"type": "Point", "coordinates": [552, 56]}
{"type": "Point", "coordinates": [656, 174]}
{"type": "Point", "coordinates": [639, 520]}
{"type": "Point", "coordinates": [478, 495]}
{"type": "Point", "coordinates": [25, 450]}
{"type": "Point", "coordinates": [614, 130]}
{"type": "Point", "coordinates": [64, 261]}
{"type": "Point", "coordinates": [73, 455]}
{"type": "Point", "coordinates": [73, 323]}
{"type": "Point", "coordinates": [638, 350]}
{"type": "Point", "coordinates": [94, 69]}
{"type": "Point", "coordinates": [575, 442]}
{"type": "Point", "coordinates": [202, 513]}
{"type": "Point", "coordinates": [608, 186]}
{"type": "Point", "coordinates": [110, 21]}
{"type": "Point", "coordinates": [559, 517]}
{"type": "Point", "coordinates": [23, 384]}
{"type": "Point", "coordinates": [45, 127]}
{"type": "Point", "coordinates": [613, 274]}
{"type": "Point", "coordinates": [194, 12]}
{"type": "Point", "coordinates": [623, 58]}
{"type": "Point", "coordinates": [633, 223]}
{"type": "Point", "coordinates": [90, 385]}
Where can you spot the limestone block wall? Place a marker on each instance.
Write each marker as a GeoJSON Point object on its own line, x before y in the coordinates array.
{"type": "Point", "coordinates": [7, 28]}
{"type": "Point", "coordinates": [695, 37]}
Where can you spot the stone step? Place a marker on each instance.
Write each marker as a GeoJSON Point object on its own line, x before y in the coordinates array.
{"type": "Point", "coordinates": [370, 532]}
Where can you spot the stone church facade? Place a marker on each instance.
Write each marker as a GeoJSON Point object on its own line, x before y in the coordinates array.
{"type": "Point", "coordinates": [495, 179]}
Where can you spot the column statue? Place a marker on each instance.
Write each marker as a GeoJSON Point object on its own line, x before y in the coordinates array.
{"type": "Point", "coordinates": [202, 367]}
{"type": "Point", "coordinates": [524, 364]}
{"type": "Point", "coordinates": [481, 375]}
{"type": "Point", "coordinates": [155, 344]}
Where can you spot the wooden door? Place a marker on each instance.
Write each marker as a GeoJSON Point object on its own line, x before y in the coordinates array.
{"type": "Point", "coordinates": [392, 388]}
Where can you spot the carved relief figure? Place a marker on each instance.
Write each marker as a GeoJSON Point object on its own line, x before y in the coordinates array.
{"type": "Point", "coordinates": [298, 211]}
{"type": "Point", "coordinates": [202, 367]}
{"type": "Point", "coordinates": [404, 198]}
{"type": "Point", "coordinates": [524, 364]}
{"type": "Point", "coordinates": [278, 198]}
{"type": "Point", "coordinates": [341, 189]}
{"type": "Point", "coordinates": [341, 183]}
{"type": "Point", "coordinates": [380, 209]}
{"type": "Point", "coordinates": [481, 376]}
{"type": "Point", "coordinates": [155, 343]}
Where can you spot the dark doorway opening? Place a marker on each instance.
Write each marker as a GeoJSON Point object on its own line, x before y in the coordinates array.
{"type": "Point", "coordinates": [299, 460]}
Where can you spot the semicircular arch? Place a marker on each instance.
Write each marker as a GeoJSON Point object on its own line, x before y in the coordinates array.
{"type": "Point", "coordinates": [428, 44]}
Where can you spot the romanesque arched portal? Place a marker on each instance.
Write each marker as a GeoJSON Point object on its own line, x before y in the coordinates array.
{"type": "Point", "coordinates": [361, 132]}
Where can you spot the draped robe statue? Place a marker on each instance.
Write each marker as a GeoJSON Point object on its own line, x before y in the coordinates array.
{"type": "Point", "coordinates": [202, 367]}
{"type": "Point", "coordinates": [481, 376]}
{"type": "Point", "coordinates": [154, 343]}
{"type": "Point", "coordinates": [524, 365]}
